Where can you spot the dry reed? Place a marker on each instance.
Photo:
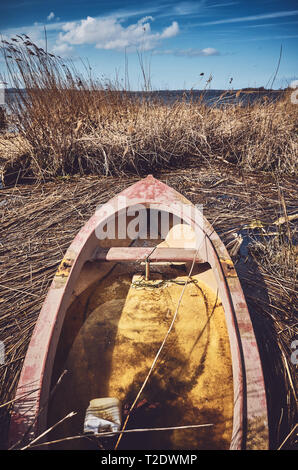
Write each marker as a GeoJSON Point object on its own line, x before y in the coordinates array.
{"type": "Point", "coordinates": [71, 124]}
{"type": "Point", "coordinates": [38, 223]}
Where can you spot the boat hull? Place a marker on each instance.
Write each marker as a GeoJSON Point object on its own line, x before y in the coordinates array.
{"type": "Point", "coordinates": [250, 422]}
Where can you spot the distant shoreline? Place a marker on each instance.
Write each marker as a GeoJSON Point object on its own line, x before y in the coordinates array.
{"type": "Point", "coordinates": [210, 97]}
{"type": "Point", "coordinates": [188, 90]}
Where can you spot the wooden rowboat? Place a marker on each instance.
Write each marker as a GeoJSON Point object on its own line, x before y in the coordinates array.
{"type": "Point", "coordinates": [107, 312]}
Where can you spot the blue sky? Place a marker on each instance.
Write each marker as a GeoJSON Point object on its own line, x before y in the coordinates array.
{"type": "Point", "coordinates": [178, 40]}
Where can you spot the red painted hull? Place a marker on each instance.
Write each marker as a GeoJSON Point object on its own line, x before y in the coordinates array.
{"type": "Point", "coordinates": [250, 407]}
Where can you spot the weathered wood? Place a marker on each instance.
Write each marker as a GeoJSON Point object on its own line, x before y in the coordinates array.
{"type": "Point", "coordinates": [130, 254]}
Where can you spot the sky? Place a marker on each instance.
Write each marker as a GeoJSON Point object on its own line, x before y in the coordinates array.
{"type": "Point", "coordinates": [237, 43]}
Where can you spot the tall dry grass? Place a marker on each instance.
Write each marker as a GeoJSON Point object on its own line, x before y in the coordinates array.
{"type": "Point", "coordinates": [2, 119]}
{"type": "Point", "coordinates": [71, 123]}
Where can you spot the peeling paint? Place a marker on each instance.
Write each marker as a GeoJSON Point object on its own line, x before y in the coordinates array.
{"type": "Point", "coordinates": [63, 271]}
{"type": "Point", "coordinates": [228, 267]}
{"type": "Point", "coordinates": [257, 433]}
{"type": "Point", "coordinates": [65, 267]}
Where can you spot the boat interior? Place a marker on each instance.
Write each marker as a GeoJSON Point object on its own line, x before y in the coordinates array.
{"type": "Point", "coordinates": [118, 316]}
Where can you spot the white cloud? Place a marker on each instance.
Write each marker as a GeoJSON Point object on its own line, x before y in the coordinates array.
{"type": "Point", "coordinates": [264, 16]}
{"type": "Point", "coordinates": [227, 4]}
{"type": "Point", "coordinates": [62, 49]}
{"type": "Point", "coordinates": [51, 16]}
{"type": "Point", "coordinates": [188, 8]}
{"type": "Point", "coordinates": [170, 31]}
{"type": "Point", "coordinates": [209, 51]}
{"type": "Point", "coordinates": [191, 52]}
{"type": "Point", "coordinates": [109, 33]}
{"type": "Point", "coordinates": [102, 32]}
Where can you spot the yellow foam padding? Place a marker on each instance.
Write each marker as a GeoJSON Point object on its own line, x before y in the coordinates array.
{"type": "Point", "coordinates": [192, 380]}
{"type": "Point", "coordinates": [180, 236]}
